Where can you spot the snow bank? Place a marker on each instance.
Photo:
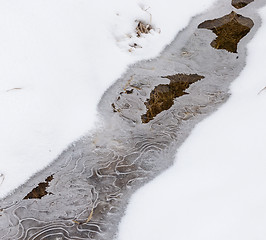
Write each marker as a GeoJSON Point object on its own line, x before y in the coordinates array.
{"type": "Point", "coordinates": [216, 189]}
{"type": "Point", "coordinates": [57, 57]}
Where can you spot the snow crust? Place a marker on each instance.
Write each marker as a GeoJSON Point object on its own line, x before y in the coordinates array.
{"type": "Point", "coordinates": [57, 58]}
{"type": "Point", "coordinates": [216, 188]}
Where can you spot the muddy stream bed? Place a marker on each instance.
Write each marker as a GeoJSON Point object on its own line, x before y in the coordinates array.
{"type": "Point", "coordinates": [147, 114]}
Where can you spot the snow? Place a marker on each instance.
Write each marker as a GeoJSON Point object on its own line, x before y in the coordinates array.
{"type": "Point", "coordinates": [216, 188]}
{"type": "Point", "coordinates": [57, 58]}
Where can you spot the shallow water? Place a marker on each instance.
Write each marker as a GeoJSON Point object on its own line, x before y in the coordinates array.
{"type": "Point", "coordinates": [85, 191]}
{"type": "Point", "coordinates": [162, 96]}
{"type": "Point", "coordinates": [241, 3]}
{"type": "Point", "coordinates": [230, 29]}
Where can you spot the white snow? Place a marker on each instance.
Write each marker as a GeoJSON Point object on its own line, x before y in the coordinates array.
{"type": "Point", "coordinates": [216, 188]}
{"type": "Point", "coordinates": [57, 57]}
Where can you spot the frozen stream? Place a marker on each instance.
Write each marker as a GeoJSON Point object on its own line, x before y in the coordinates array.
{"type": "Point", "coordinates": [83, 194]}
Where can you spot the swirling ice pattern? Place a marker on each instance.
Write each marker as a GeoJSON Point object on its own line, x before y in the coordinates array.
{"type": "Point", "coordinates": [95, 177]}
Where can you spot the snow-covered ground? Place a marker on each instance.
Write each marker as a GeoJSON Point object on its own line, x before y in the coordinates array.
{"type": "Point", "coordinates": [216, 189]}
{"type": "Point", "coordinates": [57, 58]}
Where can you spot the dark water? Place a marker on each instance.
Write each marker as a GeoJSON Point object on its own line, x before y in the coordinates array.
{"type": "Point", "coordinates": [162, 96]}
{"type": "Point", "coordinates": [230, 29]}
{"type": "Point", "coordinates": [241, 3]}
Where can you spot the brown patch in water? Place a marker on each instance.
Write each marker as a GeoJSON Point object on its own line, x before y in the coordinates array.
{"type": "Point", "coordinates": [40, 190]}
{"type": "Point", "coordinates": [241, 3]}
{"type": "Point", "coordinates": [230, 29]}
{"type": "Point", "coordinates": [163, 95]}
